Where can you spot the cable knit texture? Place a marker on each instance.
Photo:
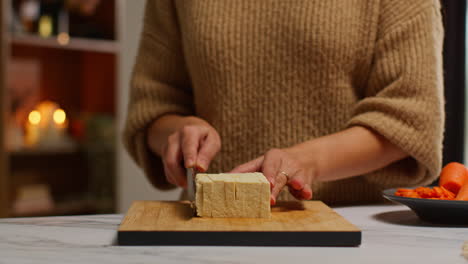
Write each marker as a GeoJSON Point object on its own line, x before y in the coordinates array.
{"type": "Point", "coordinates": [270, 74]}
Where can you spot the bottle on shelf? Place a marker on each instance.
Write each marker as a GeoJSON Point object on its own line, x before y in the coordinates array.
{"type": "Point", "coordinates": [50, 11]}
{"type": "Point", "coordinates": [29, 11]}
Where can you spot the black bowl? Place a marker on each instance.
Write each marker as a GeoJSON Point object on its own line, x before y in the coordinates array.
{"type": "Point", "coordinates": [433, 211]}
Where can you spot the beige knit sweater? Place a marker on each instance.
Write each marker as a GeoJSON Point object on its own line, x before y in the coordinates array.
{"type": "Point", "coordinates": [273, 73]}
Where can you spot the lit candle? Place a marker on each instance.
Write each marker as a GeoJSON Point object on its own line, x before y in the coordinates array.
{"type": "Point", "coordinates": [47, 126]}
{"type": "Point", "coordinates": [60, 122]}
{"type": "Point", "coordinates": [32, 128]}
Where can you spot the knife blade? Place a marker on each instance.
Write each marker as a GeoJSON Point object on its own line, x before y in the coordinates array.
{"type": "Point", "coordinates": [191, 189]}
{"type": "Point", "coordinates": [191, 184]}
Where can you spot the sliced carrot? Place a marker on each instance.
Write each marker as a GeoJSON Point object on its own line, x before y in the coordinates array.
{"type": "Point", "coordinates": [463, 193]}
{"type": "Point", "coordinates": [448, 194]}
{"type": "Point", "coordinates": [425, 192]}
{"type": "Point", "coordinates": [453, 176]}
{"type": "Point", "coordinates": [407, 193]}
{"type": "Point", "coordinates": [443, 194]}
{"type": "Point", "coordinates": [436, 193]}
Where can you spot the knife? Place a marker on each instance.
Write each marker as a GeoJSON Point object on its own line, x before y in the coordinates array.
{"type": "Point", "coordinates": [191, 184]}
{"type": "Point", "coordinates": [191, 189]}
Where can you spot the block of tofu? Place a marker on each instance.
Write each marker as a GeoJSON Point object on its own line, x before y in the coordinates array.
{"type": "Point", "coordinates": [232, 195]}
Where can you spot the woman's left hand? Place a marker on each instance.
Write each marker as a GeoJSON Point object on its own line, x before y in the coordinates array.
{"type": "Point", "coordinates": [282, 167]}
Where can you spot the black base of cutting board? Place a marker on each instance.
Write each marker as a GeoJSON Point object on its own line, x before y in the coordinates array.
{"type": "Point", "coordinates": [331, 239]}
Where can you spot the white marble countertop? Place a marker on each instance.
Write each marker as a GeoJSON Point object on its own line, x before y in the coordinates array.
{"type": "Point", "coordinates": [391, 234]}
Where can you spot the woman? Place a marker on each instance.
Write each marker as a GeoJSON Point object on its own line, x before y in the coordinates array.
{"type": "Point", "coordinates": [335, 100]}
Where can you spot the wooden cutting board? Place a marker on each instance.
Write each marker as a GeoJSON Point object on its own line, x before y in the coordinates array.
{"type": "Point", "coordinates": [308, 223]}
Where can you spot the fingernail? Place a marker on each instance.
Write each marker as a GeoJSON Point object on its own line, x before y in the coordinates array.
{"type": "Point", "coordinates": [189, 163]}
{"type": "Point", "coordinates": [297, 185]}
{"type": "Point", "coordinates": [272, 201]}
{"type": "Point", "coordinates": [200, 168]}
{"type": "Point", "coordinates": [306, 195]}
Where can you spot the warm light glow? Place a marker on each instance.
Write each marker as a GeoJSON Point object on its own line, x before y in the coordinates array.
{"type": "Point", "coordinates": [63, 38]}
{"type": "Point", "coordinates": [59, 116]}
{"type": "Point", "coordinates": [45, 26]}
{"type": "Point", "coordinates": [34, 117]}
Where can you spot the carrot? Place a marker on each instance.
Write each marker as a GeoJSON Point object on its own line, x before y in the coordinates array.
{"type": "Point", "coordinates": [453, 176]}
{"type": "Point", "coordinates": [444, 194]}
{"type": "Point", "coordinates": [425, 192]}
{"type": "Point", "coordinates": [407, 193]}
{"type": "Point", "coordinates": [463, 193]}
{"type": "Point", "coordinates": [436, 193]}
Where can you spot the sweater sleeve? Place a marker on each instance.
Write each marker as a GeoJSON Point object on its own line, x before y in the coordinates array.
{"type": "Point", "coordinates": [403, 99]}
{"type": "Point", "coordinates": [160, 85]}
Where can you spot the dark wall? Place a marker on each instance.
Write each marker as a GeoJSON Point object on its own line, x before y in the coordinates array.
{"type": "Point", "coordinates": [454, 12]}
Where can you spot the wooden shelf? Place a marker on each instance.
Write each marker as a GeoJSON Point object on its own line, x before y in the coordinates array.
{"type": "Point", "coordinates": [79, 44]}
{"type": "Point", "coordinates": [76, 207]}
{"type": "Point", "coordinates": [44, 152]}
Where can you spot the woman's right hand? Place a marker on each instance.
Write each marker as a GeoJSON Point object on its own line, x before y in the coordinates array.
{"type": "Point", "coordinates": [184, 142]}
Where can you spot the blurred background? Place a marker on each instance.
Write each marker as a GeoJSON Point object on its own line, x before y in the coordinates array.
{"type": "Point", "coordinates": [65, 67]}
